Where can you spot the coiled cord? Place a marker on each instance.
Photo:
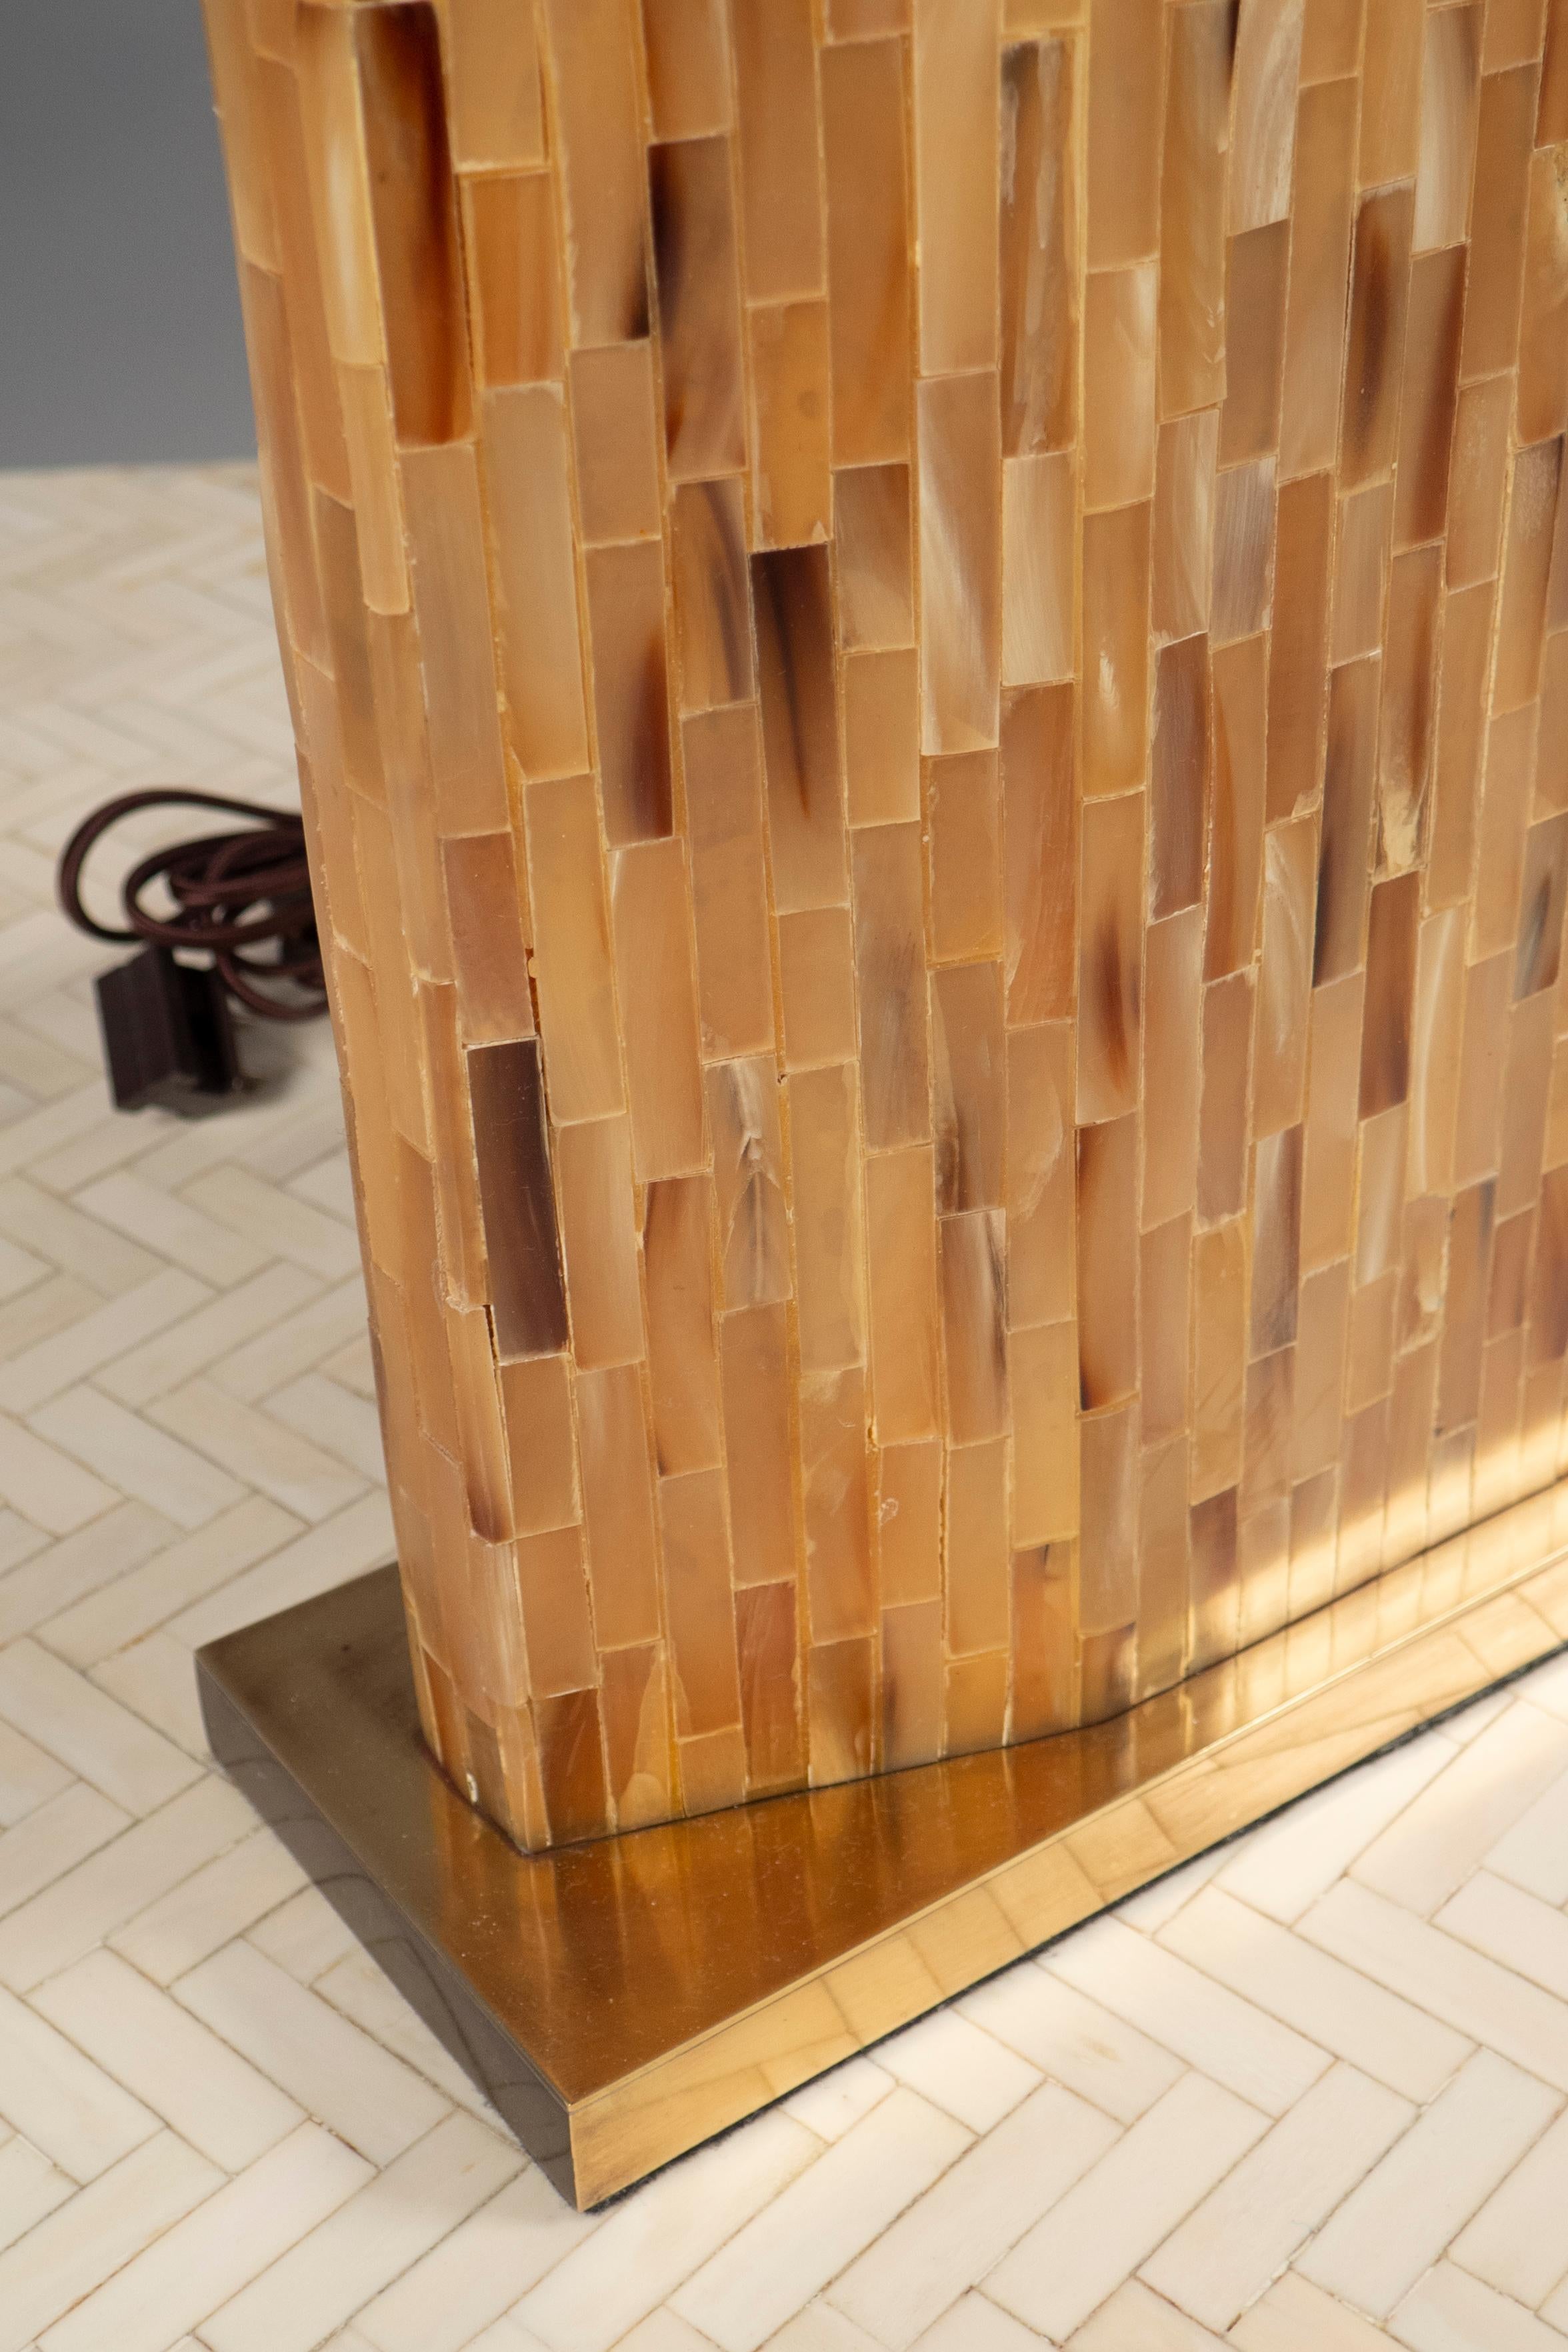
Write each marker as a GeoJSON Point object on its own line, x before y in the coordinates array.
{"type": "Point", "coordinates": [232, 892]}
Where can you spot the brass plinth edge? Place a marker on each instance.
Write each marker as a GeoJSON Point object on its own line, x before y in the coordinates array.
{"type": "Point", "coordinates": [622, 2001]}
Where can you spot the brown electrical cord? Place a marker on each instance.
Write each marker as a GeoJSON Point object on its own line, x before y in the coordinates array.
{"type": "Point", "coordinates": [231, 890]}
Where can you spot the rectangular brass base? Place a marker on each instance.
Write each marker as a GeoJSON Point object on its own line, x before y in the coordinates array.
{"type": "Point", "coordinates": [622, 2001]}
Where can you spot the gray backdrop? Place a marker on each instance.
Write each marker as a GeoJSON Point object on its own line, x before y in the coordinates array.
{"type": "Point", "coordinates": [120, 335]}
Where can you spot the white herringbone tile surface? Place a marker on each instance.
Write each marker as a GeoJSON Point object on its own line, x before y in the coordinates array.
{"type": "Point", "coordinates": [1309, 2095]}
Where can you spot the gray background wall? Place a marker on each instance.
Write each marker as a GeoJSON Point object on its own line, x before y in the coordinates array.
{"type": "Point", "coordinates": [119, 334]}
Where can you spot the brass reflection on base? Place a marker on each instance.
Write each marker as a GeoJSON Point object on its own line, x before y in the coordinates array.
{"type": "Point", "coordinates": [623, 2000]}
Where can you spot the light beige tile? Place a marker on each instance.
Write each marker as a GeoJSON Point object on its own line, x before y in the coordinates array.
{"type": "Point", "coordinates": [85, 1347]}
{"type": "Point", "coordinates": [1447, 1831]}
{"type": "Point", "coordinates": [508, 2334]}
{"type": "Point", "coordinates": [1449, 2312]}
{"type": "Point", "coordinates": [29, 1138]}
{"type": "Point", "coordinates": [836, 2100]}
{"type": "Point", "coordinates": [103, 1146]}
{"type": "Point", "coordinates": [173, 1229]}
{"type": "Point", "coordinates": [219, 1900]}
{"type": "Point", "coordinates": [50, 1303]}
{"type": "Point", "coordinates": [254, 1131]}
{"type": "Point", "coordinates": [60, 1831]}
{"type": "Point", "coordinates": [13, 1100]}
{"type": "Point", "coordinates": [1534, 1853]}
{"type": "Point", "coordinates": [335, 2071]}
{"type": "Point", "coordinates": [29, 1775]}
{"type": "Point", "coordinates": [35, 1300]}
{"type": "Point", "coordinates": [1120, 2210]}
{"type": "Point", "coordinates": [46, 1486]}
{"type": "Point", "coordinates": [1512, 1927]}
{"type": "Point", "coordinates": [1233, 2041]}
{"type": "Point", "coordinates": [346, 1425]}
{"type": "Point", "coordinates": [1073, 2039]}
{"type": "Point", "coordinates": [945, 2242]}
{"type": "Point", "coordinates": [383, 2228]}
{"type": "Point", "coordinates": [956, 2066]}
{"type": "Point", "coordinates": [199, 2086]}
{"type": "Point", "coordinates": [205, 2258]}
{"type": "Point", "coordinates": [1295, 2316]}
{"type": "Point", "coordinates": [1386, 2037]}
{"type": "Point", "coordinates": [136, 1459]}
{"type": "Point", "coordinates": [1473, 1719]}
{"type": "Point", "coordinates": [1135, 2320]}
{"type": "Point", "coordinates": [304, 1936]}
{"type": "Point", "coordinates": [36, 951]}
{"type": "Point", "coordinates": [1246, 2230]}
{"type": "Point", "coordinates": [1518, 2243]}
{"type": "Point", "coordinates": [154, 1678]}
{"type": "Point", "coordinates": [84, 2241]}
{"type": "Point", "coordinates": [973, 2325]}
{"type": "Point", "coordinates": [295, 1344]}
{"type": "Point", "coordinates": [327, 1183]}
{"type": "Point", "coordinates": [360, 1990]}
{"type": "Point", "coordinates": [1396, 2224]}
{"type": "Point", "coordinates": [352, 1367]}
{"type": "Point", "coordinates": [473, 2276]}
{"type": "Point", "coordinates": [132, 1765]}
{"type": "Point", "coordinates": [788, 2252]}
{"type": "Point", "coordinates": [324, 1555]}
{"type": "Point", "coordinates": [647, 2246]}
{"type": "Point", "coordinates": [66, 1919]}
{"type": "Point", "coordinates": [27, 1062]}
{"type": "Point", "coordinates": [254, 1446]}
{"type": "Point", "coordinates": [20, 1271]}
{"type": "Point", "coordinates": [665, 2331]}
{"type": "Point", "coordinates": [174, 1578]}
{"type": "Point", "coordinates": [64, 1235]}
{"type": "Point", "coordinates": [19, 1541]}
{"type": "Point", "coordinates": [73, 2112]}
{"type": "Point", "coordinates": [189, 1346]}
{"type": "Point", "coordinates": [1149, 1910]}
{"type": "Point", "coordinates": [31, 2187]}
{"type": "Point", "coordinates": [1555, 2309]}
{"type": "Point", "coordinates": [85, 1564]}
{"type": "Point", "coordinates": [1464, 1988]}
{"type": "Point", "coordinates": [1546, 1686]}
{"type": "Point", "coordinates": [284, 1225]}
{"type": "Point", "coordinates": [1285, 1865]}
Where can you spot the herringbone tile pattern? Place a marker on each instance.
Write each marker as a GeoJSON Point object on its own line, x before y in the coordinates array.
{"type": "Point", "coordinates": [1310, 2095]}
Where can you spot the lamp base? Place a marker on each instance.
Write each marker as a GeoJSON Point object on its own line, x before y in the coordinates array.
{"type": "Point", "coordinates": [621, 2001]}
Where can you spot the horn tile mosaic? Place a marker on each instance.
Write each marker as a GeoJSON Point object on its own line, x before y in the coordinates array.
{"type": "Point", "coordinates": [928, 642]}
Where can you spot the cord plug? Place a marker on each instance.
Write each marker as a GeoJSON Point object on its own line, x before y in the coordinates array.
{"type": "Point", "coordinates": [167, 1035]}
